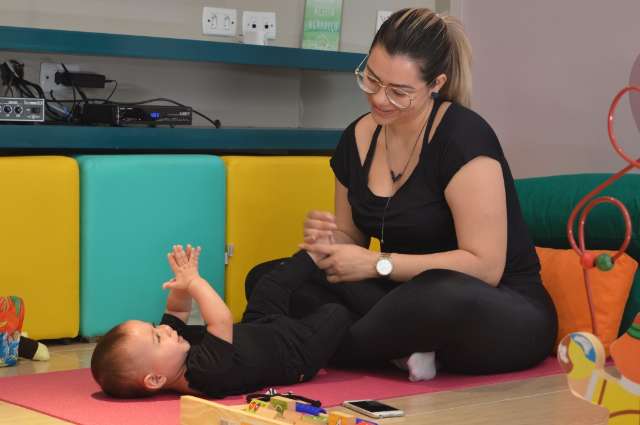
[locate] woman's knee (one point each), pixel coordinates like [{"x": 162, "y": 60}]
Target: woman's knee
[{"x": 440, "y": 292}]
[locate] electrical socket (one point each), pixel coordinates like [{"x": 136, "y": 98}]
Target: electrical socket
[
  {"x": 48, "y": 79},
  {"x": 383, "y": 15},
  {"x": 218, "y": 21},
  {"x": 252, "y": 21}
]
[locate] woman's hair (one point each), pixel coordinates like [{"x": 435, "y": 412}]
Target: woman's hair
[
  {"x": 438, "y": 44},
  {"x": 114, "y": 369}
]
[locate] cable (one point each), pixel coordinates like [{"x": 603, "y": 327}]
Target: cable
[
  {"x": 15, "y": 78},
  {"x": 112, "y": 91}
]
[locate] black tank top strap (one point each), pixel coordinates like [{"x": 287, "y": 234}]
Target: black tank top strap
[
  {"x": 374, "y": 139},
  {"x": 371, "y": 151},
  {"x": 432, "y": 118}
]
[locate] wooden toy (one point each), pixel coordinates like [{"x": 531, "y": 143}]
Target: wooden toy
[
  {"x": 198, "y": 411},
  {"x": 339, "y": 418}
]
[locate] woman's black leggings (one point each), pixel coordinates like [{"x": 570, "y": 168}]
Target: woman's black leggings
[{"x": 473, "y": 328}]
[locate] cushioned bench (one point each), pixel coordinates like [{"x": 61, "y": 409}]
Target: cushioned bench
[
  {"x": 40, "y": 256},
  {"x": 133, "y": 208},
  {"x": 268, "y": 198}
]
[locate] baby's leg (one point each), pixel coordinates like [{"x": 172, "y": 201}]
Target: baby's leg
[
  {"x": 319, "y": 335},
  {"x": 272, "y": 293}
]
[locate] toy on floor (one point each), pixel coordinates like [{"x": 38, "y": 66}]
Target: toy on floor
[
  {"x": 290, "y": 411},
  {"x": 581, "y": 354},
  {"x": 12, "y": 343},
  {"x": 582, "y": 357},
  {"x": 11, "y": 318}
]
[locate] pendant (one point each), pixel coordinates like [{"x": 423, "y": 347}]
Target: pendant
[{"x": 395, "y": 177}]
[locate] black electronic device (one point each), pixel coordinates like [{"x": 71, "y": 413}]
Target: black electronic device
[
  {"x": 127, "y": 115},
  {"x": 21, "y": 109},
  {"x": 373, "y": 408}
]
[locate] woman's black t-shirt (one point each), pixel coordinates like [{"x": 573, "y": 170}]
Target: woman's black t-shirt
[{"x": 418, "y": 219}]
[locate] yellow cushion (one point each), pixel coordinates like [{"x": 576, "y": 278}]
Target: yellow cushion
[
  {"x": 563, "y": 277},
  {"x": 39, "y": 250},
  {"x": 268, "y": 198}
]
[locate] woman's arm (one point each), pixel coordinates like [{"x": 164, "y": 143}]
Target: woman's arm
[
  {"x": 477, "y": 200},
  {"x": 346, "y": 232}
]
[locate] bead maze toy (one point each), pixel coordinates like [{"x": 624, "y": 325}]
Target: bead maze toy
[
  {"x": 278, "y": 410},
  {"x": 581, "y": 354}
]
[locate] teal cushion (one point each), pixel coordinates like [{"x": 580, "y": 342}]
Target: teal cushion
[
  {"x": 133, "y": 208},
  {"x": 547, "y": 203}
]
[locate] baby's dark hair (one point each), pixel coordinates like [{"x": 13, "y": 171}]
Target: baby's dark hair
[{"x": 114, "y": 369}]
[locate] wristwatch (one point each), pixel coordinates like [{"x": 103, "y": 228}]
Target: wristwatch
[{"x": 384, "y": 266}]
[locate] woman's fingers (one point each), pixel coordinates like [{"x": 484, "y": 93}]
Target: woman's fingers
[{"x": 321, "y": 216}]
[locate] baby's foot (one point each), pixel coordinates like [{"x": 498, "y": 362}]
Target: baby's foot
[
  {"x": 422, "y": 366},
  {"x": 323, "y": 240}
]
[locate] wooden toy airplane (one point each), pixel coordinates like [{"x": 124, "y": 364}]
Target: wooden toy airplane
[{"x": 581, "y": 356}]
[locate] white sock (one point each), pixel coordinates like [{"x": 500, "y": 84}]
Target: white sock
[{"x": 422, "y": 366}]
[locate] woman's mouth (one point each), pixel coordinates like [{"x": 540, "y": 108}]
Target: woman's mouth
[{"x": 382, "y": 112}]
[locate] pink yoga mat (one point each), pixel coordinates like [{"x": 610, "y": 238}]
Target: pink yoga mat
[{"x": 74, "y": 396}]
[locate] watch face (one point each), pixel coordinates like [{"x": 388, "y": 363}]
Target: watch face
[{"x": 384, "y": 267}]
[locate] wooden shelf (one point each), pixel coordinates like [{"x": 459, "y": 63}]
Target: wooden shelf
[
  {"x": 102, "y": 44},
  {"x": 192, "y": 139}
]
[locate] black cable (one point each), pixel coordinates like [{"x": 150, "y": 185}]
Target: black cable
[
  {"x": 112, "y": 91},
  {"x": 73, "y": 84}
]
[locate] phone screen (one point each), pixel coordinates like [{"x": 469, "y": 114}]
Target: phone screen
[{"x": 372, "y": 406}]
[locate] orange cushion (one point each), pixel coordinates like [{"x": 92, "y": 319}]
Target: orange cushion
[{"x": 562, "y": 276}]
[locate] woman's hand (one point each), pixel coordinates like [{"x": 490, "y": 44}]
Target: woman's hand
[
  {"x": 344, "y": 262},
  {"x": 319, "y": 225}
]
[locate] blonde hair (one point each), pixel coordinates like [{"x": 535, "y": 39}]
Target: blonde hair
[{"x": 438, "y": 44}]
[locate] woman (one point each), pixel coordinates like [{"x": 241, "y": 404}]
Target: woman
[{"x": 458, "y": 275}]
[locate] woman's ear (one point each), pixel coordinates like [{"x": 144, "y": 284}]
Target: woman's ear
[
  {"x": 154, "y": 382},
  {"x": 439, "y": 82}
]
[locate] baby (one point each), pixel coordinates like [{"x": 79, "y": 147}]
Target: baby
[{"x": 136, "y": 359}]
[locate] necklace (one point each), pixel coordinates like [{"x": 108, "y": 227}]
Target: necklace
[{"x": 395, "y": 177}]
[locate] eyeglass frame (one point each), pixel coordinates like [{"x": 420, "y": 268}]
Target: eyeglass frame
[{"x": 358, "y": 73}]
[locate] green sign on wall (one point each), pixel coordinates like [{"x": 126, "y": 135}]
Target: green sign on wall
[{"x": 322, "y": 20}]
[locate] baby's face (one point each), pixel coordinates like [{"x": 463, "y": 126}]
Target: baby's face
[{"x": 160, "y": 347}]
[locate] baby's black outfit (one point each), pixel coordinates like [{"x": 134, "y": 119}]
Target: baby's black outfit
[{"x": 269, "y": 348}]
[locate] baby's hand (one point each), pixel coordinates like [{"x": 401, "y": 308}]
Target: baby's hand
[{"x": 184, "y": 266}]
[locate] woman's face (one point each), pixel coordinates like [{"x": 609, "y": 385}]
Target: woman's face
[{"x": 402, "y": 75}]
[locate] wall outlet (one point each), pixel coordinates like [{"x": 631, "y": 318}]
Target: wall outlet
[
  {"x": 218, "y": 21},
  {"x": 48, "y": 79},
  {"x": 252, "y": 21},
  {"x": 383, "y": 15}
]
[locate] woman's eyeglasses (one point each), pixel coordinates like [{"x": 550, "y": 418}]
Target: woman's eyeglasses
[{"x": 369, "y": 84}]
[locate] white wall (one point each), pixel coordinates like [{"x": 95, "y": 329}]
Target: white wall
[
  {"x": 245, "y": 96},
  {"x": 545, "y": 73}
]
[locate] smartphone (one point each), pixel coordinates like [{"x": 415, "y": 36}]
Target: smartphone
[{"x": 373, "y": 408}]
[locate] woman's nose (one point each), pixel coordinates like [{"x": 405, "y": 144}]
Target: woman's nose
[{"x": 380, "y": 97}]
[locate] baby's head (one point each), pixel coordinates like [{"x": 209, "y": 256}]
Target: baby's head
[{"x": 137, "y": 359}]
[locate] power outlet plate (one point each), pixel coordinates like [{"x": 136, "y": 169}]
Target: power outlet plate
[
  {"x": 218, "y": 21},
  {"x": 383, "y": 15},
  {"x": 252, "y": 21},
  {"x": 48, "y": 79}
]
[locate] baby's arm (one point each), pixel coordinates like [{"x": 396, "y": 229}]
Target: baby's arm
[{"x": 214, "y": 311}]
